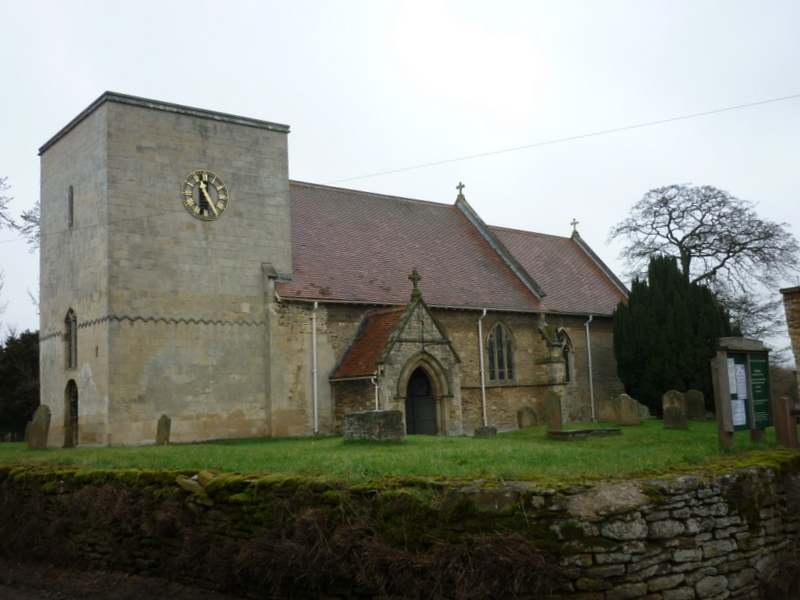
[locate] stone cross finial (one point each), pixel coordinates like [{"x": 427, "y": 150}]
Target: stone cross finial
[
  {"x": 415, "y": 277},
  {"x": 574, "y": 225},
  {"x": 460, "y": 187}
]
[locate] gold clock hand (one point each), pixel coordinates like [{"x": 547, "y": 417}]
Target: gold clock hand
[{"x": 208, "y": 198}]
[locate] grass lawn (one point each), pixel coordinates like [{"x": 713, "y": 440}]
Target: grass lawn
[{"x": 525, "y": 454}]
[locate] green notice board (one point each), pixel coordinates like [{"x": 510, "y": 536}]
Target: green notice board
[
  {"x": 748, "y": 382},
  {"x": 759, "y": 384}
]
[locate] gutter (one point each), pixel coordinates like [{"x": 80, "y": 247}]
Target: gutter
[
  {"x": 483, "y": 376},
  {"x": 314, "y": 366},
  {"x": 591, "y": 379}
]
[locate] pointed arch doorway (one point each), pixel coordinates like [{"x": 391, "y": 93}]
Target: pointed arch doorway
[
  {"x": 420, "y": 405},
  {"x": 71, "y": 415}
]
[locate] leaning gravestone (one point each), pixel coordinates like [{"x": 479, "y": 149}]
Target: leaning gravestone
[
  {"x": 628, "y": 410},
  {"x": 526, "y": 417},
  {"x": 376, "y": 425},
  {"x": 39, "y": 428},
  {"x": 162, "y": 431},
  {"x": 675, "y": 417},
  {"x": 552, "y": 404},
  {"x": 608, "y": 410},
  {"x": 695, "y": 405}
]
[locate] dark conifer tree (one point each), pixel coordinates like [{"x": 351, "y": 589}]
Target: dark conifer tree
[
  {"x": 19, "y": 383},
  {"x": 666, "y": 335}
]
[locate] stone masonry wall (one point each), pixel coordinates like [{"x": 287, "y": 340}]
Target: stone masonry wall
[
  {"x": 791, "y": 304},
  {"x": 694, "y": 537},
  {"x": 338, "y": 323}
]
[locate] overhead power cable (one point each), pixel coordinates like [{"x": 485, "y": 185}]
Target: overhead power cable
[
  {"x": 568, "y": 139},
  {"x": 495, "y": 152}
]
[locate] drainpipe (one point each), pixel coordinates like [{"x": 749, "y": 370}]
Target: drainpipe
[
  {"x": 483, "y": 381},
  {"x": 375, "y": 383},
  {"x": 314, "y": 366},
  {"x": 589, "y": 352}
]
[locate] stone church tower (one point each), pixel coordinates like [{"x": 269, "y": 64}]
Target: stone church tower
[{"x": 163, "y": 229}]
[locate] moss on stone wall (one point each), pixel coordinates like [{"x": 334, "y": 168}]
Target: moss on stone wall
[{"x": 268, "y": 535}]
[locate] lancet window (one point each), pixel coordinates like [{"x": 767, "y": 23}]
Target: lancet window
[
  {"x": 500, "y": 354},
  {"x": 71, "y": 339}
]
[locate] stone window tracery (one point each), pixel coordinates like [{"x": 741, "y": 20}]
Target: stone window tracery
[
  {"x": 566, "y": 352},
  {"x": 500, "y": 354}
]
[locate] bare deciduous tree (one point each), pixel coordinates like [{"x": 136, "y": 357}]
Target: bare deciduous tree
[
  {"x": 715, "y": 236},
  {"x": 5, "y": 219},
  {"x": 30, "y": 226},
  {"x": 718, "y": 240}
]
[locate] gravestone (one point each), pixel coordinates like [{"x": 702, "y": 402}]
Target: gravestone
[
  {"x": 162, "y": 431},
  {"x": 526, "y": 417},
  {"x": 608, "y": 410},
  {"x": 39, "y": 428},
  {"x": 675, "y": 417},
  {"x": 552, "y": 404},
  {"x": 485, "y": 432},
  {"x": 695, "y": 405},
  {"x": 376, "y": 425},
  {"x": 673, "y": 398},
  {"x": 785, "y": 422},
  {"x": 644, "y": 411},
  {"x": 628, "y": 410}
]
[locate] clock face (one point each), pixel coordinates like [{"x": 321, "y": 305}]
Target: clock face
[{"x": 204, "y": 195}]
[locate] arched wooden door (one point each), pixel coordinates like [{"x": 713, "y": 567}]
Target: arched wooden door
[{"x": 420, "y": 405}]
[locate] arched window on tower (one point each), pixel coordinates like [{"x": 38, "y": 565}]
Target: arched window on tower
[
  {"x": 71, "y": 339},
  {"x": 70, "y": 208},
  {"x": 566, "y": 352},
  {"x": 500, "y": 354}
]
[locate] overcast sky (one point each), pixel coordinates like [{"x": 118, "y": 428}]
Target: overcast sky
[{"x": 370, "y": 87}]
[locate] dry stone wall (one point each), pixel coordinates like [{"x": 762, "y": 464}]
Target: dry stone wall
[{"x": 731, "y": 536}]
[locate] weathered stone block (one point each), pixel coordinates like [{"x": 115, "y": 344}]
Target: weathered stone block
[
  {"x": 711, "y": 585},
  {"x": 635, "y": 529},
  {"x": 376, "y": 425},
  {"x": 666, "y": 582},
  {"x": 741, "y": 578},
  {"x": 688, "y": 555},
  {"x": 485, "y": 432},
  {"x": 627, "y": 591},
  {"x": 666, "y": 529}
]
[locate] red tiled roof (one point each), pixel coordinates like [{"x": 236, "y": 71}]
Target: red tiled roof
[
  {"x": 360, "y": 247},
  {"x": 352, "y": 246},
  {"x": 573, "y": 282},
  {"x": 360, "y": 358}
]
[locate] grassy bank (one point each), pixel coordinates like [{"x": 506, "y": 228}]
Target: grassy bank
[{"x": 523, "y": 454}]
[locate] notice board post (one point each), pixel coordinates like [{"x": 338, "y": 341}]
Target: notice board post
[{"x": 740, "y": 372}]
